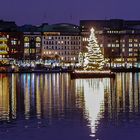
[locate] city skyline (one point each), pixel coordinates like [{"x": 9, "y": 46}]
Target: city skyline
[{"x": 37, "y": 12}]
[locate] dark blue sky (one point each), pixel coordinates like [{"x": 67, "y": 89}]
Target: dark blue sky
[{"x": 54, "y": 11}]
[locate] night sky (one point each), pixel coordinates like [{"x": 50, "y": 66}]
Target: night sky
[{"x": 71, "y": 11}]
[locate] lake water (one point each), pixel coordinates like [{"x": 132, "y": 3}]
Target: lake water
[{"x": 54, "y": 107}]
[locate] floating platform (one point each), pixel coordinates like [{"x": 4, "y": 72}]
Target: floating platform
[{"x": 92, "y": 74}]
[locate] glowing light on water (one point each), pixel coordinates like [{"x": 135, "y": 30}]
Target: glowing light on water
[
  {"x": 94, "y": 97},
  {"x": 93, "y": 92}
]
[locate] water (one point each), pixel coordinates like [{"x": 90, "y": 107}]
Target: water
[{"x": 54, "y": 107}]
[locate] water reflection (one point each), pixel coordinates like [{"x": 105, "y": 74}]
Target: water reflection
[
  {"x": 109, "y": 103},
  {"x": 88, "y": 107},
  {"x": 4, "y": 98},
  {"x": 91, "y": 92}
]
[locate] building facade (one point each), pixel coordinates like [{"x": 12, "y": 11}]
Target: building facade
[
  {"x": 118, "y": 39},
  {"x": 11, "y": 44},
  {"x": 4, "y": 49},
  {"x": 61, "y": 42},
  {"x": 31, "y": 42},
  {"x": 15, "y": 44}
]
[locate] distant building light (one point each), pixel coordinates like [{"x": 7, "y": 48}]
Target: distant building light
[{"x": 130, "y": 40}]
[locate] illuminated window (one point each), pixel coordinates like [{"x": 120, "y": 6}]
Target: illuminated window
[
  {"x": 135, "y": 45},
  {"x": 122, "y": 40},
  {"x": 32, "y": 50},
  {"x": 130, "y": 54},
  {"x": 117, "y": 45},
  {"x": 26, "y": 39},
  {"x": 135, "y": 50},
  {"x": 135, "y": 40},
  {"x": 130, "y": 40},
  {"x": 130, "y": 49},
  {"x": 26, "y": 51},
  {"x": 123, "y": 50},
  {"x": 109, "y": 45},
  {"x": 38, "y": 45},
  {"x": 130, "y": 45},
  {"x": 135, "y": 54},
  {"x": 38, "y": 39},
  {"x": 123, "y": 45},
  {"x": 113, "y": 45},
  {"x": 101, "y": 45},
  {"x": 13, "y": 42},
  {"x": 26, "y": 44}
]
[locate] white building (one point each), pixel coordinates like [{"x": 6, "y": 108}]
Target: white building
[{"x": 61, "y": 42}]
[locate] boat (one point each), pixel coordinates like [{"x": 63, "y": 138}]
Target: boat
[{"x": 92, "y": 74}]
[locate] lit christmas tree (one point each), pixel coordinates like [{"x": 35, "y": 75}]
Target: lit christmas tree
[
  {"x": 81, "y": 59},
  {"x": 94, "y": 59}
]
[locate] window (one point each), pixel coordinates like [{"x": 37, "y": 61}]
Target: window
[
  {"x": 26, "y": 39},
  {"x": 109, "y": 45},
  {"x": 123, "y": 50},
  {"x": 26, "y": 51},
  {"x": 122, "y": 40},
  {"x": 130, "y": 45},
  {"x": 38, "y": 39},
  {"x": 135, "y": 50},
  {"x": 130, "y": 49},
  {"x": 130, "y": 40},
  {"x": 13, "y": 42},
  {"x": 135, "y": 54},
  {"x": 26, "y": 44},
  {"x": 113, "y": 45},
  {"x": 38, "y": 44},
  {"x": 32, "y": 50},
  {"x": 135, "y": 45},
  {"x": 135, "y": 40}
]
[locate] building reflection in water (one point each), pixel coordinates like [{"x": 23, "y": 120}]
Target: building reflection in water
[
  {"x": 56, "y": 96},
  {"x": 123, "y": 99},
  {"x": 47, "y": 95},
  {"x": 4, "y": 97}
]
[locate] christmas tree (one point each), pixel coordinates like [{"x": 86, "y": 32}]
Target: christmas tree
[
  {"x": 81, "y": 59},
  {"x": 94, "y": 59}
]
